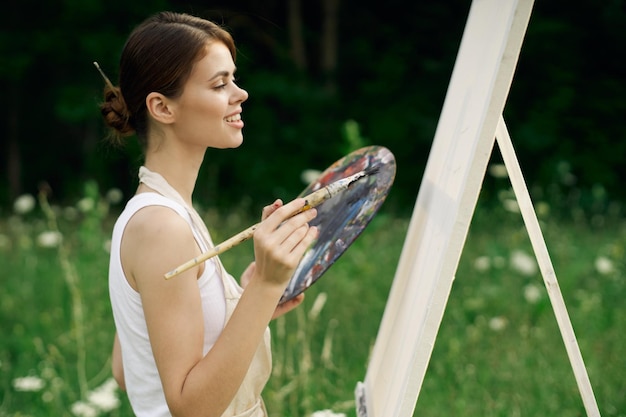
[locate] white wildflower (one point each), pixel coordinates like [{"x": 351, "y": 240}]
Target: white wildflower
[
  {"x": 498, "y": 323},
  {"x": 327, "y": 413},
  {"x": 318, "y": 305},
  {"x": 603, "y": 265},
  {"x": 105, "y": 397},
  {"x": 24, "y": 204},
  {"x": 498, "y": 171},
  {"x": 83, "y": 409},
  {"x": 511, "y": 205},
  {"x": 309, "y": 176},
  {"x": 523, "y": 263},
  {"x": 482, "y": 263},
  {"x": 49, "y": 239},
  {"x": 28, "y": 384},
  {"x": 86, "y": 204},
  {"x": 109, "y": 385},
  {"x": 114, "y": 196},
  {"x": 532, "y": 293}
]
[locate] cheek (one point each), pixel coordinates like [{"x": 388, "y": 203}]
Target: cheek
[
  {"x": 212, "y": 109},
  {"x": 204, "y": 108}
]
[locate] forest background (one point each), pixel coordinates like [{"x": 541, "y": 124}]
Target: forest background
[
  {"x": 324, "y": 78},
  {"x": 312, "y": 68}
]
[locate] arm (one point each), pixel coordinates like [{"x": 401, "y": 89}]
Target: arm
[
  {"x": 285, "y": 307},
  {"x": 173, "y": 308},
  {"x": 117, "y": 365},
  {"x": 281, "y": 309}
]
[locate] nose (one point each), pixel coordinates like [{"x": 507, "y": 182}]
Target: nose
[{"x": 240, "y": 95}]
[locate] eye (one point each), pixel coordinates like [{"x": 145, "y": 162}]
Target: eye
[{"x": 225, "y": 81}]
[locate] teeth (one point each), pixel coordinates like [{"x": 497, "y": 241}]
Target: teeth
[{"x": 233, "y": 118}]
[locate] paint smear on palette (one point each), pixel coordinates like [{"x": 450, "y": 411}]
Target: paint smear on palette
[{"x": 342, "y": 218}]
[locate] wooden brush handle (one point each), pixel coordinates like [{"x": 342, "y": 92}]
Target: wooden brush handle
[{"x": 312, "y": 200}]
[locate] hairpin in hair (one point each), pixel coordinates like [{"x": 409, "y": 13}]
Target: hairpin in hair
[{"x": 106, "y": 79}]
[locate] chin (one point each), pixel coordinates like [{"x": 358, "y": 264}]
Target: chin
[
  {"x": 233, "y": 144},
  {"x": 236, "y": 145},
  {"x": 238, "y": 142}
]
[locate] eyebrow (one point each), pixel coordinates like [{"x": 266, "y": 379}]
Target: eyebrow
[{"x": 221, "y": 74}]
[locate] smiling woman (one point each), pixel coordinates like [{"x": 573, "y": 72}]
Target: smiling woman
[
  {"x": 198, "y": 344},
  {"x": 159, "y": 56},
  {"x": 209, "y": 102}
]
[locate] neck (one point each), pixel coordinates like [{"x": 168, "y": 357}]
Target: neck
[{"x": 180, "y": 169}]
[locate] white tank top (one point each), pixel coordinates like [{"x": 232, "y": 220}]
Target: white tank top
[{"x": 144, "y": 387}]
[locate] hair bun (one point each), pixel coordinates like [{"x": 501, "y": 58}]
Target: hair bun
[{"x": 115, "y": 112}]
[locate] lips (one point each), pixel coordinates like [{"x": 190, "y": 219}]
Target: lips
[{"x": 233, "y": 118}]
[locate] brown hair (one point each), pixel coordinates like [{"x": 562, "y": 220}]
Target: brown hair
[{"x": 157, "y": 57}]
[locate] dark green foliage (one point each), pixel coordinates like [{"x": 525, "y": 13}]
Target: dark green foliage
[{"x": 391, "y": 75}]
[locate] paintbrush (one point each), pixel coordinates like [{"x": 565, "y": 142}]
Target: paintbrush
[{"x": 312, "y": 200}]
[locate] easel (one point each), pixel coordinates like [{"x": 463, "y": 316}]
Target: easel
[{"x": 470, "y": 122}]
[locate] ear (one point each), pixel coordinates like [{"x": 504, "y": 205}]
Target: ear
[{"x": 159, "y": 107}]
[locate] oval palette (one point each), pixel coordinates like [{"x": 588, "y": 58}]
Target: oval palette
[{"x": 342, "y": 218}]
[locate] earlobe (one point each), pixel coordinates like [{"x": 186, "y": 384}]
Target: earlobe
[{"x": 159, "y": 108}]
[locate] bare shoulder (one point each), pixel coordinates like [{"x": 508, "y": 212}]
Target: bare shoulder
[
  {"x": 156, "y": 240},
  {"x": 150, "y": 221}
]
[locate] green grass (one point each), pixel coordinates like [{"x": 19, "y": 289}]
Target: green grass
[{"x": 498, "y": 352}]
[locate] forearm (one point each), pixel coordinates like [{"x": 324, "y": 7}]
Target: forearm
[
  {"x": 196, "y": 385},
  {"x": 213, "y": 382}
]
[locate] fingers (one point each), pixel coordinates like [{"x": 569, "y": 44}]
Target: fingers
[
  {"x": 278, "y": 212},
  {"x": 290, "y": 239},
  {"x": 268, "y": 210},
  {"x": 295, "y": 228},
  {"x": 288, "y": 305},
  {"x": 300, "y": 239},
  {"x": 281, "y": 240}
]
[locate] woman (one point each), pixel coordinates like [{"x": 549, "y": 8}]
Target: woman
[{"x": 196, "y": 344}]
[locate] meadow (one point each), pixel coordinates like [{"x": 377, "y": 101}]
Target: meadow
[{"x": 498, "y": 353}]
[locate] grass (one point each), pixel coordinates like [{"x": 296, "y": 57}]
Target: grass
[{"x": 498, "y": 352}]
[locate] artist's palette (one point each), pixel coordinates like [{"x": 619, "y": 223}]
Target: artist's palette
[{"x": 342, "y": 218}]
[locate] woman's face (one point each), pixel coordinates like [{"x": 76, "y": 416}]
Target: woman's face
[{"x": 208, "y": 112}]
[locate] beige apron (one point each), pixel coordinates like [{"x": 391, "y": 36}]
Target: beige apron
[{"x": 247, "y": 401}]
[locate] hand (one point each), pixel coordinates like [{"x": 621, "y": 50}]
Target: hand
[
  {"x": 281, "y": 308},
  {"x": 287, "y": 306},
  {"x": 267, "y": 210},
  {"x": 281, "y": 240}
]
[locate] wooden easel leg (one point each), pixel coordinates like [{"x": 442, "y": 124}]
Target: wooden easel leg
[{"x": 547, "y": 270}]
